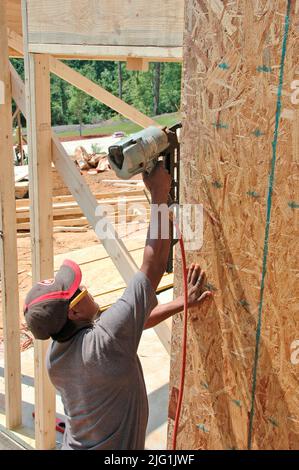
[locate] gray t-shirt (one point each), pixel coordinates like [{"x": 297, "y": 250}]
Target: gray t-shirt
[{"x": 99, "y": 375}]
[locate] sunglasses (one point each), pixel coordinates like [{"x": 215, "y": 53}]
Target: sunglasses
[{"x": 79, "y": 295}]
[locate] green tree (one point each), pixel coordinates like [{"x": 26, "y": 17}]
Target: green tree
[
  {"x": 77, "y": 107},
  {"x": 154, "y": 92}
]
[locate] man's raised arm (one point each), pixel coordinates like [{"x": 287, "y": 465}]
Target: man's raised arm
[{"x": 156, "y": 250}]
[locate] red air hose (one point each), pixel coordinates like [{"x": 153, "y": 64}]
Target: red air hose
[{"x": 184, "y": 347}]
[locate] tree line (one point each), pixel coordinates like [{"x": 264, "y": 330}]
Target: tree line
[{"x": 154, "y": 92}]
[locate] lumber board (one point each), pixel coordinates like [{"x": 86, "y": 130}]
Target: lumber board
[
  {"x": 18, "y": 91},
  {"x": 110, "y": 22},
  {"x": 8, "y": 243},
  {"x": 117, "y": 53},
  {"x": 94, "y": 253},
  {"x": 231, "y": 78},
  {"x": 122, "y": 227},
  {"x": 38, "y": 118},
  {"x": 135, "y": 63},
  {"x": 72, "y": 204},
  {"x": 14, "y": 16},
  {"x": 99, "y": 196},
  {"x": 116, "y": 219}
]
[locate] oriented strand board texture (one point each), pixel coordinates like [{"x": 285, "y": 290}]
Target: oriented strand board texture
[
  {"x": 231, "y": 73},
  {"x": 106, "y": 22}
]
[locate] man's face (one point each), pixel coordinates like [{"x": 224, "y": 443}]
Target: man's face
[{"x": 85, "y": 310}]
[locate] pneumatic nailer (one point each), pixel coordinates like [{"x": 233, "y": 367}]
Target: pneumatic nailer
[{"x": 140, "y": 153}]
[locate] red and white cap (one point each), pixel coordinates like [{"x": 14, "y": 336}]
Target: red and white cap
[{"x": 47, "y": 303}]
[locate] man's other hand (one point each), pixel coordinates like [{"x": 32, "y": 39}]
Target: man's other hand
[{"x": 197, "y": 292}]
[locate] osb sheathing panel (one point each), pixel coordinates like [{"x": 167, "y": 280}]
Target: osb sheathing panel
[{"x": 230, "y": 80}]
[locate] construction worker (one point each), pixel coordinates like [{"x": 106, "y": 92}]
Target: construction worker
[{"x": 93, "y": 360}]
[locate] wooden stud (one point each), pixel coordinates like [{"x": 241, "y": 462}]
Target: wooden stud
[
  {"x": 38, "y": 106},
  {"x": 135, "y": 63},
  {"x": 20, "y": 137},
  {"x": 8, "y": 244}
]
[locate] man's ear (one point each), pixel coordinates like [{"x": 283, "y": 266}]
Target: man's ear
[{"x": 72, "y": 315}]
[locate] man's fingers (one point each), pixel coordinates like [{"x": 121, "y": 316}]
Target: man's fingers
[
  {"x": 205, "y": 296},
  {"x": 195, "y": 274},
  {"x": 190, "y": 271},
  {"x": 201, "y": 279}
]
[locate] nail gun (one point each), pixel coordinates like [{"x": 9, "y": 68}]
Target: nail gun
[{"x": 140, "y": 153}]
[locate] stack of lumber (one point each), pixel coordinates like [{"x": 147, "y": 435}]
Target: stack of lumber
[
  {"x": 67, "y": 213},
  {"x": 59, "y": 188}
]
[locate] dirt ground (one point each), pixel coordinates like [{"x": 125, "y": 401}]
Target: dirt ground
[{"x": 63, "y": 243}]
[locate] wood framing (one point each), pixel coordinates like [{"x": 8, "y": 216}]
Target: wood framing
[
  {"x": 15, "y": 42},
  {"x": 70, "y": 174},
  {"x": 151, "y": 54},
  {"x": 8, "y": 243},
  {"x": 14, "y": 15},
  {"x": 88, "y": 86},
  {"x": 18, "y": 90},
  {"x": 38, "y": 114},
  {"x": 109, "y": 23},
  {"x": 40, "y": 190},
  {"x": 14, "y": 21},
  {"x": 134, "y": 63},
  {"x": 230, "y": 93}
]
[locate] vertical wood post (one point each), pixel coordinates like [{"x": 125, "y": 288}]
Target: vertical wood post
[
  {"x": 38, "y": 106},
  {"x": 8, "y": 243}
]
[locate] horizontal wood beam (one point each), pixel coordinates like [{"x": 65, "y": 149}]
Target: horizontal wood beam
[
  {"x": 121, "y": 53},
  {"x": 152, "y": 54}
]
